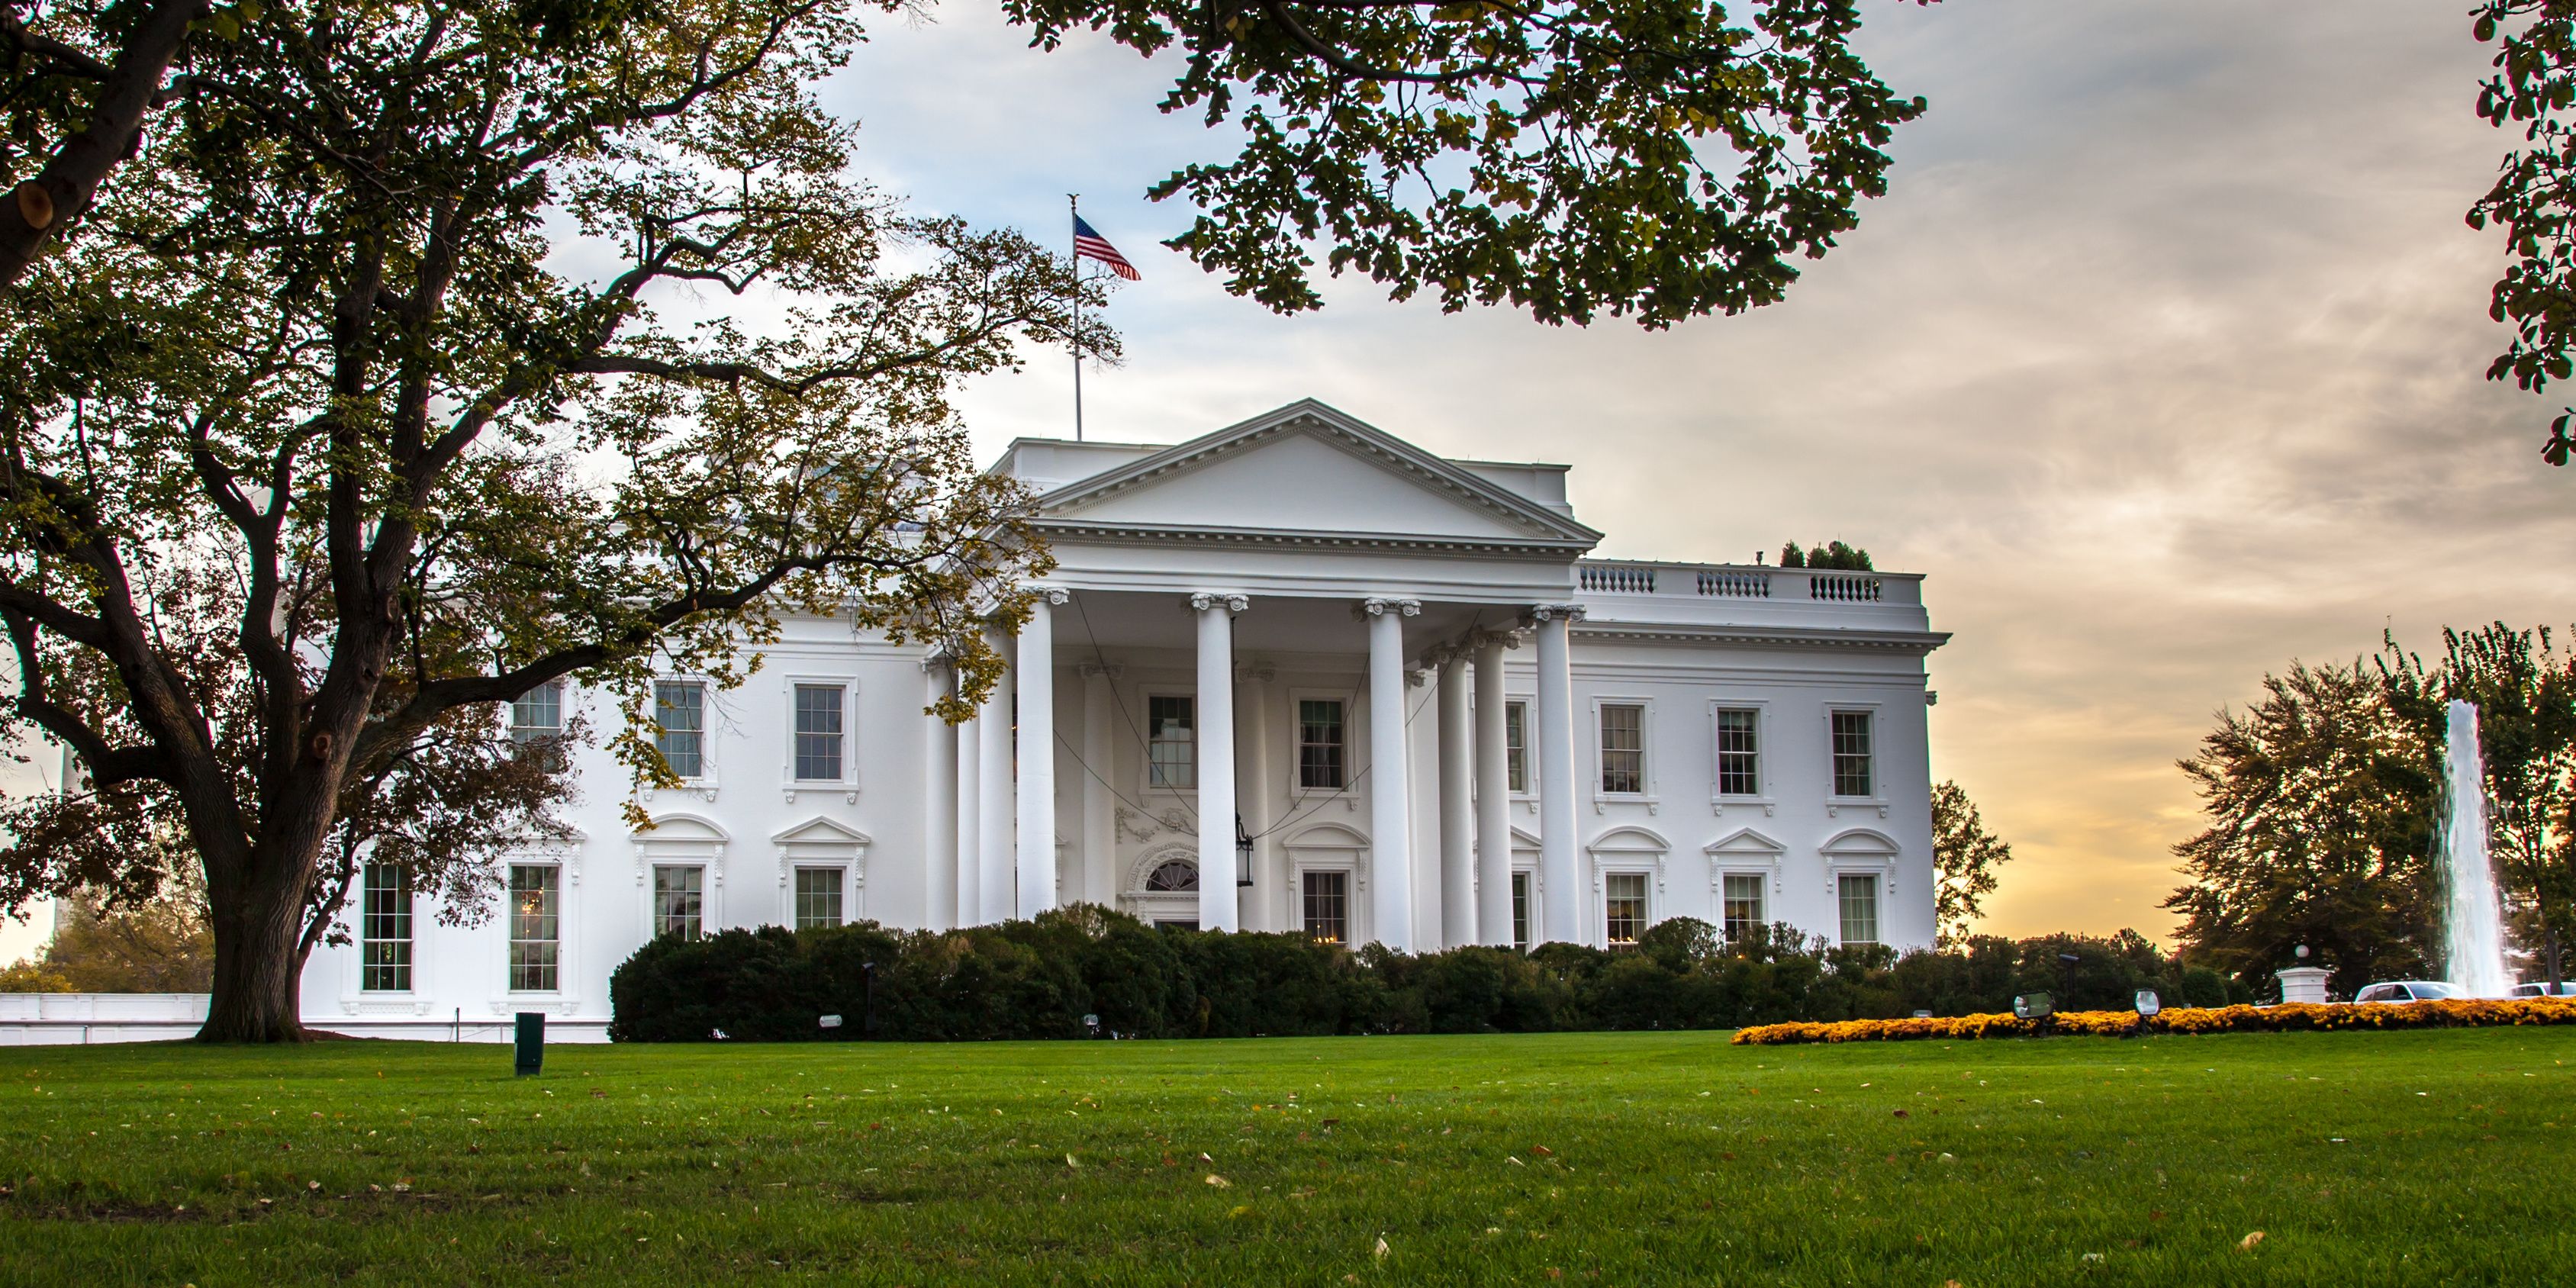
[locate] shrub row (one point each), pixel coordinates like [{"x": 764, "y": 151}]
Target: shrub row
[
  {"x": 1040, "y": 978},
  {"x": 2289, "y": 1017}
]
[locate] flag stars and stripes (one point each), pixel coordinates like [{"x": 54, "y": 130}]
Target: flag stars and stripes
[{"x": 1089, "y": 244}]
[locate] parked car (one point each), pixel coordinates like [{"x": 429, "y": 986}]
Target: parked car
[
  {"x": 2408, "y": 990},
  {"x": 2565, "y": 989}
]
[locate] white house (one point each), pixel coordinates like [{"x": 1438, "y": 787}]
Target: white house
[{"x": 1294, "y": 674}]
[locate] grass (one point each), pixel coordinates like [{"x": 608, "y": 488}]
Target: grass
[{"x": 1569, "y": 1159}]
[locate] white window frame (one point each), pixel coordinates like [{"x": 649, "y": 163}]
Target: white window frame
[
  {"x": 1877, "y": 754},
  {"x": 1762, "y": 884},
  {"x": 1527, "y": 910},
  {"x": 840, "y": 871},
  {"x": 1145, "y": 695},
  {"x": 1528, "y": 703},
  {"x": 1862, "y": 851},
  {"x": 1626, "y": 851},
  {"x": 849, "y": 687},
  {"x": 1763, "y": 754},
  {"x": 563, "y": 925},
  {"x": 705, "y": 779},
  {"x": 563, "y": 705},
  {"x": 1878, "y": 897},
  {"x": 1350, "y": 898},
  {"x": 1601, "y": 901},
  {"x": 1646, "y": 758},
  {"x": 652, "y": 893},
  {"x": 411, "y": 940},
  {"x": 1351, "y": 739}
]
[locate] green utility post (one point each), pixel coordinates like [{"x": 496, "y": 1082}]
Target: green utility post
[{"x": 531, "y": 1043}]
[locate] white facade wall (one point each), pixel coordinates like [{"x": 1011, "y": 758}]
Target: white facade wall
[{"x": 1304, "y": 515}]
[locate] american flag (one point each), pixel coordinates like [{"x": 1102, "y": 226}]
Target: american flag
[{"x": 1088, "y": 244}]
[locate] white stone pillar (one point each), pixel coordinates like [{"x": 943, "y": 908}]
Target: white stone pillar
[
  {"x": 1036, "y": 684},
  {"x": 995, "y": 788},
  {"x": 1564, "y": 893},
  {"x": 1457, "y": 810},
  {"x": 939, "y": 799},
  {"x": 1036, "y": 674},
  {"x": 1099, "y": 804},
  {"x": 1252, "y": 793},
  {"x": 968, "y": 871},
  {"x": 1390, "y": 775},
  {"x": 1493, "y": 798},
  {"x": 1218, "y": 908}
]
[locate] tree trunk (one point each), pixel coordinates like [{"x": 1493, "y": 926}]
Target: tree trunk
[{"x": 258, "y": 922}]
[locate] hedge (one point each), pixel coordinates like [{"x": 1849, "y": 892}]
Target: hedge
[
  {"x": 1040, "y": 978},
  {"x": 2288, "y": 1017}
]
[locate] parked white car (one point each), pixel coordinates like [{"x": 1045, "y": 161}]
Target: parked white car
[
  {"x": 2408, "y": 990},
  {"x": 2565, "y": 989}
]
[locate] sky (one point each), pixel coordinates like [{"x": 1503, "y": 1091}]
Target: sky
[{"x": 2162, "y": 358}]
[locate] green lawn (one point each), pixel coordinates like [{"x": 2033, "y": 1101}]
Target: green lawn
[{"x": 1586, "y": 1159}]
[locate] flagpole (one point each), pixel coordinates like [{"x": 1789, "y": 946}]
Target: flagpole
[{"x": 1073, "y": 200}]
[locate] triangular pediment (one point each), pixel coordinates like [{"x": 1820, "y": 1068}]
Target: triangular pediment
[
  {"x": 1744, "y": 842},
  {"x": 1309, "y": 468},
  {"x": 820, "y": 831}
]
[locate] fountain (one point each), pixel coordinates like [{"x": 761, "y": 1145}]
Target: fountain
[{"x": 2473, "y": 924}]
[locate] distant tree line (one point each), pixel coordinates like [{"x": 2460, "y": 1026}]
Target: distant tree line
[
  {"x": 2324, "y": 800},
  {"x": 1041, "y": 978}
]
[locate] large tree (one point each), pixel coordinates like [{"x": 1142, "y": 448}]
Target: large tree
[
  {"x": 376, "y": 360},
  {"x": 2320, "y": 806}
]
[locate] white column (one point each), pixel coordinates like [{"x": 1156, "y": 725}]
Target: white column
[
  {"x": 1457, "y": 811},
  {"x": 939, "y": 798},
  {"x": 1252, "y": 793},
  {"x": 1036, "y": 673},
  {"x": 994, "y": 878},
  {"x": 1564, "y": 896},
  {"x": 1493, "y": 799},
  {"x": 1099, "y": 805},
  {"x": 1217, "y": 901},
  {"x": 1390, "y": 776},
  {"x": 968, "y": 872}
]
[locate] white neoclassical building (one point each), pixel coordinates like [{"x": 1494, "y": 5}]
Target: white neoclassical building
[{"x": 1296, "y": 674}]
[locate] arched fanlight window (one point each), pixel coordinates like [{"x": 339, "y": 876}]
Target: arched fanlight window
[{"x": 1176, "y": 875}]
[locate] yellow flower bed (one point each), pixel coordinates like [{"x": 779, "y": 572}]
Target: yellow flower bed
[{"x": 2286, "y": 1018}]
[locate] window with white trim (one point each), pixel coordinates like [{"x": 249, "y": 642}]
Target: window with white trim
[
  {"x": 1516, "y": 746},
  {"x": 679, "y": 900},
  {"x": 1744, "y": 917},
  {"x": 818, "y": 898},
  {"x": 536, "y": 927},
  {"x": 680, "y": 709},
  {"x": 1322, "y": 735},
  {"x": 1623, "y": 898},
  {"x": 1327, "y": 898},
  {"x": 1853, "y": 772},
  {"x": 1739, "y": 752},
  {"x": 818, "y": 732},
  {"x": 537, "y": 714},
  {"x": 384, "y": 930},
  {"x": 1521, "y": 911},
  {"x": 1623, "y": 748},
  {"x": 1171, "y": 737},
  {"x": 1858, "y": 893}
]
